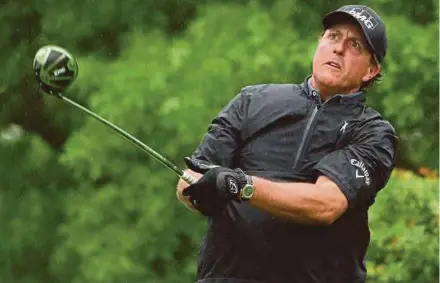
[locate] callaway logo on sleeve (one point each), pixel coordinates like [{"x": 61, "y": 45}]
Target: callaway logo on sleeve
[{"x": 362, "y": 172}]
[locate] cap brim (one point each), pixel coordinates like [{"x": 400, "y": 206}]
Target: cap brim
[{"x": 333, "y": 17}]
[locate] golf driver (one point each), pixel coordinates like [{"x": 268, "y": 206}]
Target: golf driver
[{"x": 56, "y": 69}]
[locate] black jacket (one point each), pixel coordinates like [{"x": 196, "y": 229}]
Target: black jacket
[{"x": 283, "y": 132}]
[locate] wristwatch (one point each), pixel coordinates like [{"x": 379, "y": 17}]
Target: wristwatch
[{"x": 248, "y": 190}]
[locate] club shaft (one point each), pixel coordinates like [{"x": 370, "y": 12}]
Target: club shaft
[{"x": 188, "y": 178}]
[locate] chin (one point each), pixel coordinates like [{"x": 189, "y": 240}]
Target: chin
[{"x": 327, "y": 79}]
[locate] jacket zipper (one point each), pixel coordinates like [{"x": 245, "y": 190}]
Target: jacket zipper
[
  {"x": 306, "y": 131},
  {"x": 304, "y": 137}
]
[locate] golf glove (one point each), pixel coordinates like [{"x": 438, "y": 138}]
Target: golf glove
[{"x": 215, "y": 189}]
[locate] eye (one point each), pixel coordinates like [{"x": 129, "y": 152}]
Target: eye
[
  {"x": 356, "y": 45},
  {"x": 333, "y": 36}
]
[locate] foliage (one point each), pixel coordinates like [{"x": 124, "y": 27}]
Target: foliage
[
  {"x": 405, "y": 228},
  {"x": 412, "y": 104},
  {"x": 32, "y": 183}
]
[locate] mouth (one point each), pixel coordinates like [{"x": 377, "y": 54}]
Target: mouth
[{"x": 333, "y": 64}]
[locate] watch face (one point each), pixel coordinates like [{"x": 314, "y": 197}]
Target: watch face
[{"x": 248, "y": 191}]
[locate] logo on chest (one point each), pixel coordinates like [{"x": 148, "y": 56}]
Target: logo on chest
[{"x": 344, "y": 127}]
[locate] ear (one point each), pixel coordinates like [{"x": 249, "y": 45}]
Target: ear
[{"x": 372, "y": 71}]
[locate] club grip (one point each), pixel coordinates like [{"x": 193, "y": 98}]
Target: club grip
[{"x": 188, "y": 178}]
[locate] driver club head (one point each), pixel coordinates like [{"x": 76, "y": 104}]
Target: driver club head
[{"x": 55, "y": 69}]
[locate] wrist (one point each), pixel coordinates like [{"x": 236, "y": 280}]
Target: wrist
[
  {"x": 235, "y": 184},
  {"x": 246, "y": 187}
]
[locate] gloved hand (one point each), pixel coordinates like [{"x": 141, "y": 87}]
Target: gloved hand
[{"x": 215, "y": 189}]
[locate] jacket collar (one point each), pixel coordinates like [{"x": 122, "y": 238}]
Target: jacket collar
[{"x": 352, "y": 98}]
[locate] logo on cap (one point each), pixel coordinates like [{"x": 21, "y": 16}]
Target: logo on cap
[{"x": 369, "y": 21}]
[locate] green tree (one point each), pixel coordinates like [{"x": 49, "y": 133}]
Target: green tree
[
  {"x": 32, "y": 183},
  {"x": 404, "y": 228}
]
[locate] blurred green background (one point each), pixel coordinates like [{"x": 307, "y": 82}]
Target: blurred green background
[{"x": 80, "y": 204}]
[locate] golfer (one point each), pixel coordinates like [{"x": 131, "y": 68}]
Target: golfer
[{"x": 288, "y": 171}]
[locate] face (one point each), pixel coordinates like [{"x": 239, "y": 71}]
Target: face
[{"x": 342, "y": 61}]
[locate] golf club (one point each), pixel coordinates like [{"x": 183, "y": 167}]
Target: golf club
[{"x": 56, "y": 69}]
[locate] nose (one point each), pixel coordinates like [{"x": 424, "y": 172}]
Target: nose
[{"x": 339, "y": 47}]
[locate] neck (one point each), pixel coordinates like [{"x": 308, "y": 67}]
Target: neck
[{"x": 327, "y": 91}]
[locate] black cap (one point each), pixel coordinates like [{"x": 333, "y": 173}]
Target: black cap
[{"x": 370, "y": 22}]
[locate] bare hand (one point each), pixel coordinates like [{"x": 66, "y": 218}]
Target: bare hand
[{"x": 181, "y": 185}]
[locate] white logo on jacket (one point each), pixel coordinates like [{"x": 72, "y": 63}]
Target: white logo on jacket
[
  {"x": 344, "y": 127},
  {"x": 362, "y": 167}
]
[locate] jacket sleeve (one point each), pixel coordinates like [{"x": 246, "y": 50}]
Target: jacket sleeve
[
  {"x": 362, "y": 167},
  {"x": 223, "y": 136}
]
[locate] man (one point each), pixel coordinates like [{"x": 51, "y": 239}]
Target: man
[{"x": 288, "y": 171}]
